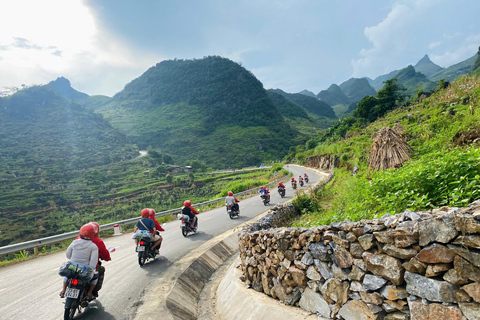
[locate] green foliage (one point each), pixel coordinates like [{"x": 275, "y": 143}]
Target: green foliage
[{"x": 303, "y": 202}]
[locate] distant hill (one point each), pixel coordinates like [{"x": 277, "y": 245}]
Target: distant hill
[
  {"x": 427, "y": 67},
  {"x": 476, "y": 67},
  {"x": 307, "y": 93},
  {"x": 40, "y": 131},
  {"x": 378, "y": 82},
  {"x": 412, "y": 80},
  {"x": 312, "y": 105},
  {"x": 210, "y": 109},
  {"x": 452, "y": 72},
  {"x": 333, "y": 96},
  {"x": 356, "y": 89},
  {"x": 62, "y": 87}
]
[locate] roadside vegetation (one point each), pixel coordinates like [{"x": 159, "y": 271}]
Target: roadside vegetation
[{"x": 443, "y": 134}]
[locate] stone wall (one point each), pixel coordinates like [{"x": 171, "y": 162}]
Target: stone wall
[
  {"x": 413, "y": 265},
  {"x": 324, "y": 162}
]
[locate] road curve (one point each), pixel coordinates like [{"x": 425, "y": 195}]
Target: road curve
[{"x": 29, "y": 290}]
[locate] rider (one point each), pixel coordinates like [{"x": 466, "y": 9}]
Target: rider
[
  {"x": 264, "y": 191},
  {"x": 190, "y": 212},
  {"x": 103, "y": 254},
  {"x": 231, "y": 200},
  {"x": 158, "y": 238},
  {"x": 281, "y": 185},
  {"x": 300, "y": 179},
  {"x": 294, "y": 181},
  {"x": 305, "y": 177},
  {"x": 147, "y": 224},
  {"x": 84, "y": 252}
]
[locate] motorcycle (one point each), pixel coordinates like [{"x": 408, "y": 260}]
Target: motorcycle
[
  {"x": 144, "y": 248},
  {"x": 78, "y": 283},
  {"x": 306, "y": 179},
  {"x": 294, "y": 185},
  {"x": 281, "y": 192},
  {"x": 265, "y": 199},
  {"x": 301, "y": 183},
  {"x": 232, "y": 213},
  {"x": 186, "y": 225}
]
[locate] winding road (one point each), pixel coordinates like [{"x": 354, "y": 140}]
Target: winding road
[{"x": 29, "y": 290}]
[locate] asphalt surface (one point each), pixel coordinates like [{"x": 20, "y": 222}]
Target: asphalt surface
[{"x": 29, "y": 290}]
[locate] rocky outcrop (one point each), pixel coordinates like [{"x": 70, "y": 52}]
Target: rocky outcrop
[{"x": 412, "y": 265}]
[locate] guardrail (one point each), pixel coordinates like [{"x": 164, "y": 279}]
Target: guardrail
[{"x": 35, "y": 244}]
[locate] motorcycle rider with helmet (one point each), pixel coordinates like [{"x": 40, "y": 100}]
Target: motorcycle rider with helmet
[
  {"x": 190, "y": 212},
  {"x": 147, "y": 224},
  {"x": 158, "y": 227},
  {"x": 103, "y": 254},
  {"x": 264, "y": 191},
  {"x": 231, "y": 200},
  {"x": 305, "y": 177},
  {"x": 84, "y": 252},
  {"x": 294, "y": 182}
]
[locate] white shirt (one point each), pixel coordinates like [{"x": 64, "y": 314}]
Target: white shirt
[{"x": 83, "y": 252}]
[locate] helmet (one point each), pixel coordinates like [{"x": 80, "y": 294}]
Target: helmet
[
  {"x": 87, "y": 231},
  {"x": 96, "y": 227},
  {"x": 230, "y": 193},
  {"x": 300, "y": 176},
  {"x": 263, "y": 187},
  {"x": 293, "y": 178},
  {"x": 152, "y": 213},
  {"x": 145, "y": 213},
  {"x": 187, "y": 203}
]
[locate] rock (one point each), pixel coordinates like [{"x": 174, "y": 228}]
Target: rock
[
  {"x": 307, "y": 259},
  {"x": 410, "y": 215},
  {"x": 313, "y": 274},
  {"x": 351, "y": 237},
  {"x": 278, "y": 290},
  {"x": 401, "y": 253},
  {"x": 293, "y": 297},
  {"x": 334, "y": 290},
  {"x": 298, "y": 276},
  {"x": 434, "y": 270},
  {"x": 267, "y": 284},
  {"x": 373, "y": 298},
  {"x": 400, "y": 305},
  {"x": 356, "y": 310},
  {"x": 356, "y": 250},
  {"x": 405, "y": 234},
  {"x": 366, "y": 241},
  {"x": 314, "y": 302},
  {"x": 342, "y": 257},
  {"x": 469, "y": 255},
  {"x": 372, "y": 283},
  {"x": 374, "y": 308},
  {"x": 324, "y": 269},
  {"x": 320, "y": 251},
  {"x": 439, "y": 229},
  {"x": 339, "y": 273},
  {"x": 383, "y": 265},
  {"x": 356, "y": 286},
  {"x": 472, "y": 241},
  {"x": 465, "y": 269},
  {"x": 436, "y": 253},
  {"x": 462, "y": 296},
  {"x": 415, "y": 266},
  {"x": 397, "y": 316},
  {"x": 430, "y": 289},
  {"x": 471, "y": 311},
  {"x": 394, "y": 293},
  {"x": 433, "y": 311},
  {"x": 356, "y": 274},
  {"x": 473, "y": 290},
  {"x": 466, "y": 224}
]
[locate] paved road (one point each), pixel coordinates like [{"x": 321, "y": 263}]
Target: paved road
[{"x": 29, "y": 290}]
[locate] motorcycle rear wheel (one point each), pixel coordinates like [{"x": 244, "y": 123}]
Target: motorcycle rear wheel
[
  {"x": 184, "y": 231},
  {"x": 231, "y": 214},
  {"x": 142, "y": 258},
  {"x": 69, "y": 313}
]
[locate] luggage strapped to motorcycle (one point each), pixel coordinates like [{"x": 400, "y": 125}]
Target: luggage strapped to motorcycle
[{"x": 140, "y": 234}]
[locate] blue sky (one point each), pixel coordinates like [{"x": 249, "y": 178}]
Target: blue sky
[{"x": 101, "y": 45}]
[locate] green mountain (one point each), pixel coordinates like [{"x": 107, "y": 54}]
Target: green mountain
[
  {"x": 355, "y": 89},
  {"x": 63, "y": 88},
  {"x": 333, "y": 96},
  {"x": 42, "y": 131},
  {"x": 453, "y": 72},
  {"x": 427, "y": 67},
  {"x": 307, "y": 93},
  {"x": 210, "y": 109},
  {"x": 378, "y": 82},
  {"x": 312, "y": 105},
  {"x": 296, "y": 116},
  {"x": 476, "y": 66},
  {"x": 412, "y": 80}
]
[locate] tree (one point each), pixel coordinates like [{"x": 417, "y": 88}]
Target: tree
[
  {"x": 365, "y": 108},
  {"x": 389, "y": 96}
]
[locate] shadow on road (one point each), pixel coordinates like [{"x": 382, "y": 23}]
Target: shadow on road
[
  {"x": 95, "y": 310},
  {"x": 199, "y": 236}
]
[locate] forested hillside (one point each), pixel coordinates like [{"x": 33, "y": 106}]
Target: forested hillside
[{"x": 210, "y": 109}]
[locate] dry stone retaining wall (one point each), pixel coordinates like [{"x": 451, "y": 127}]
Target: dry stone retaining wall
[{"x": 413, "y": 265}]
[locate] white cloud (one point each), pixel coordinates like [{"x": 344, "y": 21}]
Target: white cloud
[
  {"x": 61, "y": 38},
  {"x": 466, "y": 49},
  {"x": 434, "y": 45}
]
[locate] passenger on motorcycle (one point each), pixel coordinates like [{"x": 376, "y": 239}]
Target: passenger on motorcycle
[
  {"x": 158, "y": 227},
  {"x": 103, "y": 254},
  {"x": 83, "y": 252},
  {"x": 264, "y": 191},
  {"x": 281, "y": 185},
  {"x": 300, "y": 179},
  {"x": 190, "y": 212},
  {"x": 231, "y": 200},
  {"x": 147, "y": 224},
  {"x": 305, "y": 177}
]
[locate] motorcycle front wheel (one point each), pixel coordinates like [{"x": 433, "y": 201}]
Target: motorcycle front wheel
[
  {"x": 184, "y": 231},
  {"x": 142, "y": 258},
  {"x": 69, "y": 312}
]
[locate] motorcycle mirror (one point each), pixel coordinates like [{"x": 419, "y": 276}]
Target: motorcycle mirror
[{"x": 111, "y": 249}]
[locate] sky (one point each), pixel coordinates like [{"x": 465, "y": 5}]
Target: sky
[{"x": 101, "y": 45}]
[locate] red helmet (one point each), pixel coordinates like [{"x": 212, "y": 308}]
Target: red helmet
[
  {"x": 96, "y": 227},
  {"x": 187, "y": 203},
  {"x": 230, "y": 193},
  {"x": 300, "y": 176},
  {"x": 87, "y": 231},
  {"x": 145, "y": 213},
  {"x": 152, "y": 213},
  {"x": 263, "y": 187},
  {"x": 293, "y": 178}
]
